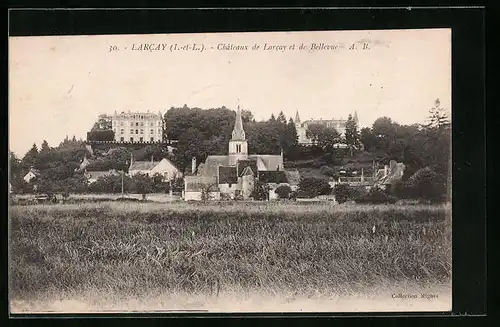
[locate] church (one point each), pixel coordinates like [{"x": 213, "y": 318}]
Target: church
[{"x": 234, "y": 175}]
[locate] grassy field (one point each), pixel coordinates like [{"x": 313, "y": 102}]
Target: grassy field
[{"x": 214, "y": 256}]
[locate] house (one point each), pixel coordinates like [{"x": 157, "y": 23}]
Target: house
[
  {"x": 196, "y": 187},
  {"x": 391, "y": 174},
  {"x": 33, "y": 173},
  {"x": 93, "y": 176},
  {"x": 234, "y": 175},
  {"x": 164, "y": 167}
]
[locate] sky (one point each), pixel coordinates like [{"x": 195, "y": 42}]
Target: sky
[{"x": 58, "y": 85}]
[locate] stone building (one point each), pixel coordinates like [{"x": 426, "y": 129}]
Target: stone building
[
  {"x": 137, "y": 127},
  {"x": 234, "y": 175},
  {"x": 338, "y": 124}
]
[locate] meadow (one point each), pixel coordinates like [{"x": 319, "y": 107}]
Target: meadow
[{"x": 202, "y": 256}]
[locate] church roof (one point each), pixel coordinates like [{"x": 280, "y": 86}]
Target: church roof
[
  {"x": 271, "y": 161},
  {"x": 247, "y": 172},
  {"x": 228, "y": 175},
  {"x": 212, "y": 164},
  {"x": 277, "y": 176},
  {"x": 238, "y": 132},
  {"x": 242, "y": 164}
]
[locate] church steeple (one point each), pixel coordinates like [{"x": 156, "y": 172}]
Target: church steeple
[
  {"x": 297, "y": 118},
  {"x": 238, "y": 132},
  {"x": 238, "y": 146}
]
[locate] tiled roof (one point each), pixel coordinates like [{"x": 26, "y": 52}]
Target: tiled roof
[
  {"x": 227, "y": 175},
  {"x": 143, "y": 165},
  {"x": 276, "y": 176},
  {"x": 271, "y": 161},
  {"x": 97, "y": 174},
  {"x": 242, "y": 164},
  {"x": 198, "y": 183},
  {"x": 212, "y": 164}
]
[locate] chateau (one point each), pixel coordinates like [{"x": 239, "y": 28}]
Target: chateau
[
  {"x": 338, "y": 124},
  {"x": 234, "y": 175},
  {"x": 137, "y": 127}
]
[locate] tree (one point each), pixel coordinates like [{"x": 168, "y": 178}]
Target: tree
[
  {"x": 260, "y": 191},
  {"x": 326, "y": 139},
  {"x": 30, "y": 158},
  {"x": 310, "y": 187},
  {"x": 437, "y": 116},
  {"x": 45, "y": 147},
  {"x": 142, "y": 184},
  {"x": 190, "y": 145},
  {"x": 283, "y": 191},
  {"x": 104, "y": 122},
  {"x": 352, "y": 136},
  {"x": 427, "y": 184},
  {"x": 367, "y": 139}
]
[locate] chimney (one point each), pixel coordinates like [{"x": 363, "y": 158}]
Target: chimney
[
  {"x": 131, "y": 158},
  {"x": 152, "y": 159},
  {"x": 386, "y": 168},
  {"x": 392, "y": 167},
  {"x": 193, "y": 165},
  {"x": 362, "y": 175}
]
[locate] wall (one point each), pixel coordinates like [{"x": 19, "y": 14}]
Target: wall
[{"x": 163, "y": 167}]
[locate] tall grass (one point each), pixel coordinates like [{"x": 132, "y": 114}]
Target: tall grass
[{"x": 140, "y": 249}]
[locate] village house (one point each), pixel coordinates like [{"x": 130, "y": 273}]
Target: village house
[
  {"x": 164, "y": 167},
  {"x": 32, "y": 174},
  {"x": 234, "y": 175},
  {"x": 93, "y": 176},
  {"x": 390, "y": 175}
]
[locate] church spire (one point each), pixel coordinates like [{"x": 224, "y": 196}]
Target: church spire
[
  {"x": 297, "y": 118},
  {"x": 238, "y": 132}
]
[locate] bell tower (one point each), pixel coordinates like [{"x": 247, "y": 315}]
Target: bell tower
[{"x": 238, "y": 146}]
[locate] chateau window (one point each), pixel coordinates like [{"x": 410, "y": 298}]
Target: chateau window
[
  {"x": 121, "y": 131},
  {"x": 136, "y": 124},
  {"x": 122, "y": 139},
  {"x": 131, "y": 139},
  {"x": 152, "y": 139},
  {"x": 159, "y": 130},
  {"x": 131, "y": 131},
  {"x": 140, "y": 139},
  {"x": 159, "y": 123},
  {"x": 136, "y": 131},
  {"x": 114, "y": 130},
  {"x": 142, "y": 131},
  {"x": 142, "y": 123},
  {"x": 132, "y": 124},
  {"x": 121, "y": 123},
  {"x": 151, "y": 124}
]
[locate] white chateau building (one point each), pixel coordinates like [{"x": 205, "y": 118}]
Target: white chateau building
[
  {"x": 338, "y": 124},
  {"x": 137, "y": 127}
]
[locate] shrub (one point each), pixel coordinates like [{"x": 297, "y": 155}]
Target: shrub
[
  {"x": 426, "y": 184},
  {"x": 376, "y": 196},
  {"x": 310, "y": 187},
  {"x": 283, "y": 191},
  {"x": 345, "y": 192},
  {"x": 101, "y": 135}
]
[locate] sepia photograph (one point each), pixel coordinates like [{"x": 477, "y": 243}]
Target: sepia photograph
[{"x": 231, "y": 172}]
